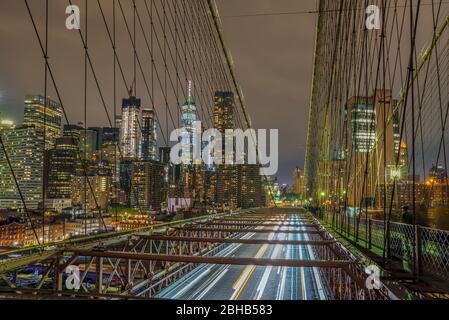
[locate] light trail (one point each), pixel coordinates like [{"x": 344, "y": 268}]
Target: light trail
[
  {"x": 255, "y": 282},
  {"x": 244, "y": 277}
]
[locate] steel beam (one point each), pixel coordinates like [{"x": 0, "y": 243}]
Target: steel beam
[
  {"x": 246, "y": 230},
  {"x": 214, "y": 260},
  {"x": 251, "y": 224},
  {"x": 255, "y": 220},
  {"x": 241, "y": 241},
  {"x": 15, "y": 263}
]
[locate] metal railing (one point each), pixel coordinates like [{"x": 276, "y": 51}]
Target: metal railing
[{"x": 424, "y": 250}]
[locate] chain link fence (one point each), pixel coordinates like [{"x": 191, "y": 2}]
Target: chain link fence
[{"x": 425, "y": 250}]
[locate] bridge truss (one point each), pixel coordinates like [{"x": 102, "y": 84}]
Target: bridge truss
[{"x": 145, "y": 264}]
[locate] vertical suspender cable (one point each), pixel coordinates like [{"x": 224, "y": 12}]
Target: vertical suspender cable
[{"x": 44, "y": 153}]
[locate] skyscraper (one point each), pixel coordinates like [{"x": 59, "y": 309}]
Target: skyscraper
[
  {"x": 111, "y": 156},
  {"x": 82, "y": 194},
  {"x": 249, "y": 186},
  {"x": 110, "y": 136},
  {"x": 130, "y": 129},
  {"x": 188, "y": 118},
  {"x": 24, "y": 146},
  {"x": 88, "y": 143},
  {"x": 149, "y": 135},
  {"x": 372, "y": 137},
  {"x": 228, "y": 184},
  {"x": 125, "y": 181},
  {"x": 72, "y": 131},
  {"x": 148, "y": 189},
  {"x": 61, "y": 170},
  {"x": 224, "y": 116},
  {"x": 46, "y": 115},
  {"x": 164, "y": 160},
  {"x": 224, "y": 111},
  {"x": 298, "y": 181},
  {"x": 361, "y": 119}
]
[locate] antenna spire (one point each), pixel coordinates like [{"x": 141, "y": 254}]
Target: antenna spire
[{"x": 190, "y": 92}]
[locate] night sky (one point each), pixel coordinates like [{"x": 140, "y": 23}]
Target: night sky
[{"x": 272, "y": 54}]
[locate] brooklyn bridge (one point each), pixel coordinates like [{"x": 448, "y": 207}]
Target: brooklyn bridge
[{"x": 91, "y": 212}]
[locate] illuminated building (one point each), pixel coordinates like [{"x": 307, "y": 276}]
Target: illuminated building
[
  {"x": 130, "y": 129},
  {"x": 136, "y": 221},
  {"x": 164, "y": 155},
  {"x": 109, "y": 153},
  {"x": 61, "y": 168},
  {"x": 210, "y": 186},
  {"x": 224, "y": 116},
  {"x": 175, "y": 187},
  {"x": 249, "y": 186},
  {"x": 403, "y": 196},
  {"x": 169, "y": 169},
  {"x": 110, "y": 136},
  {"x": 438, "y": 173},
  {"x": 400, "y": 172},
  {"x": 227, "y": 186},
  {"x": 72, "y": 131},
  {"x": 227, "y": 190},
  {"x": 88, "y": 143},
  {"x": 198, "y": 183},
  {"x": 91, "y": 189},
  {"x": 370, "y": 140},
  {"x": 12, "y": 234},
  {"x": 188, "y": 118},
  {"x": 149, "y": 135},
  {"x": 24, "y": 146},
  {"x": 298, "y": 181},
  {"x": 125, "y": 182},
  {"x": 89, "y": 139},
  {"x": 51, "y": 233},
  {"x": 267, "y": 195},
  {"x": 83, "y": 226},
  {"x": 387, "y": 136},
  {"x": 276, "y": 191},
  {"x": 46, "y": 115},
  {"x": 361, "y": 119},
  {"x": 224, "y": 112},
  {"x": 147, "y": 191}
]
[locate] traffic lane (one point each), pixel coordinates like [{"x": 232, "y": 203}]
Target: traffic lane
[
  {"x": 221, "y": 288},
  {"x": 187, "y": 286},
  {"x": 192, "y": 285},
  {"x": 259, "y": 282},
  {"x": 270, "y": 283},
  {"x": 253, "y": 281}
]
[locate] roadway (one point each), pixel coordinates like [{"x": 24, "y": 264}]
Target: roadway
[{"x": 214, "y": 282}]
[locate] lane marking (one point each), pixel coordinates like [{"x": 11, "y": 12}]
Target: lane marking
[
  {"x": 220, "y": 276},
  {"x": 240, "y": 285}
]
